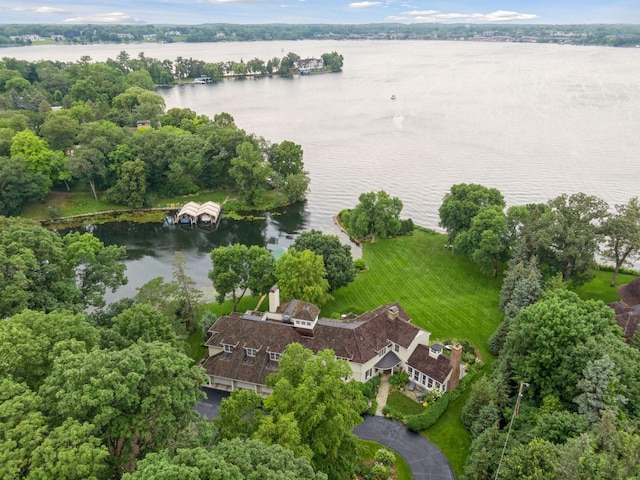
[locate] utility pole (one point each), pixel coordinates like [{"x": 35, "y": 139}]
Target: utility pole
[{"x": 513, "y": 416}]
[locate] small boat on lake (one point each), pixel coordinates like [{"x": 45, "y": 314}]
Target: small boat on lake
[
  {"x": 202, "y": 80},
  {"x": 393, "y": 97}
]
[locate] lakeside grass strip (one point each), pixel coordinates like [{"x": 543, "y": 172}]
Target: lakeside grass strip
[{"x": 443, "y": 293}]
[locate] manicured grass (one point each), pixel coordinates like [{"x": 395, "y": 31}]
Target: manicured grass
[
  {"x": 367, "y": 450},
  {"x": 450, "y": 436},
  {"x": 247, "y": 302},
  {"x": 599, "y": 288},
  {"x": 403, "y": 404},
  {"x": 441, "y": 292}
]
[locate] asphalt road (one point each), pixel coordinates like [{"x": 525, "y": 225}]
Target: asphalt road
[{"x": 425, "y": 460}]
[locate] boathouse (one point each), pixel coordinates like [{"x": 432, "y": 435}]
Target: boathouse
[{"x": 193, "y": 213}]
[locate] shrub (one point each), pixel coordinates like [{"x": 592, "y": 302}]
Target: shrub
[
  {"x": 430, "y": 416},
  {"x": 399, "y": 379},
  {"x": 380, "y": 472},
  {"x": 406, "y": 226},
  {"x": 384, "y": 456},
  {"x": 359, "y": 264},
  {"x": 392, "y": 413}
]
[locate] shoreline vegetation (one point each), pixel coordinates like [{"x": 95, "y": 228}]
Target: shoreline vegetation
[
  {"x": 587, "y": 34},
  {"x": 71, "y": 209}
]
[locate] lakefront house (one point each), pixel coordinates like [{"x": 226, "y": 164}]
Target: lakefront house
[{"x": 244, "y": 348}]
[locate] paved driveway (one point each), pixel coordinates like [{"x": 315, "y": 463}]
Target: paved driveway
[
  {"x": 424, "y": 458},
  {"x": 210, "y": 406}
]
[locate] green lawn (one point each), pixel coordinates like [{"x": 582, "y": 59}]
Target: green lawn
[
  {"x": 599, "y": 288},
  {"x": 367, "y": 450},
  {"x": 403, "y": 404},
  {"x": 451, "y": 436},
  {"x": 443, "y": 293}
]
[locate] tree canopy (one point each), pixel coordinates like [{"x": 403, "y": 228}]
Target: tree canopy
[
  {"x": 44, "y": 271},
  {"x": 238, "y": 268},
  {"x": 301, "y": 275},
  {"x": 462, "y": 203},
  {"x": 376, "y": 214},
  {"x": 336, "y": 256}
]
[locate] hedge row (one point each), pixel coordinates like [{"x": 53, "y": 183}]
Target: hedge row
[{"x": 433, "y": 412}]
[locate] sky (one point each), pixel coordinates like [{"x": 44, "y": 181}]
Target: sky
[{"x": 196, "y": 12}]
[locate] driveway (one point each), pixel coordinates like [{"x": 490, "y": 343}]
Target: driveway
[
  {"x": 425, "y": 460},
  {"x": 210, "y": 406}
]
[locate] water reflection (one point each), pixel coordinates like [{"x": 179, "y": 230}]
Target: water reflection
[{"x": 151, "y": 246}]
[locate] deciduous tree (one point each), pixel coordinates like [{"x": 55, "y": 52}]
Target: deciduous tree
[
  {"x": 238, "y": 268},
  {"x": 301, "y": 275},
  {"x": 376, "y": 214},
  {"x": 336, "y": 256},
  {"x": 325, "y": 406},
  {"x": 486, "y": 240},
  {"x": 622, "y": 235},
  {"x": 567, "y": 236},
  {"x": 462, "y": 203}
]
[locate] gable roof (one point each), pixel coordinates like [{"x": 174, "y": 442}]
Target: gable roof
[
  {"x": 436, "y": 368},
  {"x": 358, "y": 340}
]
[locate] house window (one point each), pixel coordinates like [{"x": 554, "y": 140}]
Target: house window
[
  {"x": 423, "y": 380},
  {"x": 416, "y": 375},
  {"x": 274, "y": 356},
  {"x": 251, "y": 352},
  {"x": 228, "y": 348},
  {"x": 368, "y": 373},
  {"x": 430, "y": 384},
  {"x": 382, "y": 352},
  {"x": 409, "y": 370},
  {"x": 396, "y": 347}
]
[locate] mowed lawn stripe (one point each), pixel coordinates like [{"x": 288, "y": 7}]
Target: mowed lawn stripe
[{"x": 443, "y": 293}]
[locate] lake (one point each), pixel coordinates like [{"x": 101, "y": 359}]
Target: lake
[{"x": 534, "y": 121}]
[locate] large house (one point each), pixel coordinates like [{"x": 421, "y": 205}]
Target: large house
[
  {"x": 245, "y": 347},
  {"x": 628, "y": 308}
]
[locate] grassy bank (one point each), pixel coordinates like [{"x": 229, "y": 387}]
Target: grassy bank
[
  {"x": 443, "y": 293},
  {"x": 59, "y": 204}
]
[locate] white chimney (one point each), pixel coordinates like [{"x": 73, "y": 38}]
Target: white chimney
[{"x": 274, "y": 299}]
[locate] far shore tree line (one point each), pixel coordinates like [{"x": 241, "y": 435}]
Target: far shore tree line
[{"x": 93, "y": 143}]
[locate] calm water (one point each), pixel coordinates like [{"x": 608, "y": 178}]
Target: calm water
[{"x": 534, "y": 121}]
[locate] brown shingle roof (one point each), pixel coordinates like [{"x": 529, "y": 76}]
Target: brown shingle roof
[
  {"x": 630, "y": 293},
  {"x": 627, "y": 318},
  {"x": 358, "y": 340},
  {"x": 436, "y": 368}
]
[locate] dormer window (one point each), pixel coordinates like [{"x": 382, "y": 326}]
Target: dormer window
[
  {"x": 274, "y": 356},
  {"x": 228, "y": 348},
  {"x": 251, "y": 352}
]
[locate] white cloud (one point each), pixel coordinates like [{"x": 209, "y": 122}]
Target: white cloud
[
  {"x": 421, "y": 12},
  {"x": 40, "y": 9},
  {"x": 497, "y": 16},
  {"x": 112, "y": 17},
  {"x": 364, "y": 4}
]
